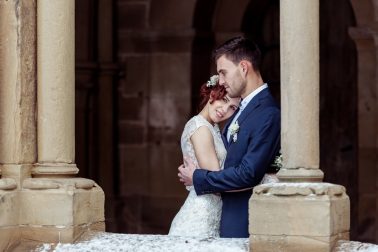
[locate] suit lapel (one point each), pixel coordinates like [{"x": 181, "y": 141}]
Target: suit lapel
[
  {"x": 225, "y": 129},
  {"x": 252, "y": 105}
]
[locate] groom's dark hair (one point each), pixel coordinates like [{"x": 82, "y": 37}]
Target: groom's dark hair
[{"x": 238, "y": 49}]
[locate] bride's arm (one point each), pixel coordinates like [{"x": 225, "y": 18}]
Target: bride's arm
[{"x": 203, "y": 144}]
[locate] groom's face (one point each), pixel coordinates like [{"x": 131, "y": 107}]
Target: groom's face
[{"x": 230, "y": 77}]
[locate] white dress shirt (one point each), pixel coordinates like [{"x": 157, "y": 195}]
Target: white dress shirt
[{"x": 243, "y": 105}]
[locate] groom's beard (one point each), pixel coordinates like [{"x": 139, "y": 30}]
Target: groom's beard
[{"x": 238, "y": 86}]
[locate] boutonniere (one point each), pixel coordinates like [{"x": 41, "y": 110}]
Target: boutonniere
[
  {"x": 277, "y": 163},
  {"x": 234, "y": 129}
]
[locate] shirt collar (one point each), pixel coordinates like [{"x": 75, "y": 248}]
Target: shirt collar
[{"x": 249, "y": 97}]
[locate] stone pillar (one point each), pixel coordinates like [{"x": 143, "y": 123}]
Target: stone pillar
[
  {"x": 40, "y": 209},
  {"x": 56, "y": 88},
  {"x": 55, "y": 206},
  {"x": 17, "y": 89},
  {"x": 300, "y": 90},
  {"x": 298, "y": 216},
  {"x": 17, "y": 111}
]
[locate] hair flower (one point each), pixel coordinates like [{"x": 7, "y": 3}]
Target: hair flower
[{"x": 213, "y": 81}]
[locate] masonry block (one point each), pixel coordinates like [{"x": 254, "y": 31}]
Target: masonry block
[
  {"x": 58, "y": 234},
  {"x": 9, "y": 212},
  {"x": 132, "y": 15},
  {"x": 134, "y": 163},
  {"x": 60, "y": 210},
  {"x": 298, "y": 217},
  {"x": 171, "y": 13},
  {"x": 9, "y": 208}
]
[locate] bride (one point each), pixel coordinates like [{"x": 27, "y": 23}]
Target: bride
[{"x": 201, "y": 141}]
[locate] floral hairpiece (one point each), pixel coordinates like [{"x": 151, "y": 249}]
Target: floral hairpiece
[{"x": 213, "y": 81}]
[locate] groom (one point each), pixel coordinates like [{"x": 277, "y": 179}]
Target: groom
[{"x": 251, "y": 136}]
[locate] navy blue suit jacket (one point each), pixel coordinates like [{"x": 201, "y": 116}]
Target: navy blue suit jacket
[{"x": 258, "y": 141}]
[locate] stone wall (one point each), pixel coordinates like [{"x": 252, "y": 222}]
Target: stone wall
[
  {"x": 154, "y": 51},
  {"x": 364, "y": 35}
]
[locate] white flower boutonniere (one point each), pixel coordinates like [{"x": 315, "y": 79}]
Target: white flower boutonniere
[
  {"x": 277, "y": 163},
  {"x": 234, "y": 129}
]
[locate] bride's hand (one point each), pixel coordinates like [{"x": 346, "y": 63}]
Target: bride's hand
[{"x": 186, "y": 171}]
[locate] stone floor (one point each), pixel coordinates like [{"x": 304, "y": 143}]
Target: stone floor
[
  {"x": 101, "y": 241},
  {"x": 149, "y": 243}
]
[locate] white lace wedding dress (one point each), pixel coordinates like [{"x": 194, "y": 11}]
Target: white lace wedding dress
[{"x": 200, "y": 215}]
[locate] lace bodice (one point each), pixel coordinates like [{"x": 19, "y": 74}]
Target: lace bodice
[
  {"x": 191, "y": 126},
  {"x": 200, "y": 215}
]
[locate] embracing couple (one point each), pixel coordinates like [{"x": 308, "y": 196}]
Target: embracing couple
[{"x": 221, "y": 169}]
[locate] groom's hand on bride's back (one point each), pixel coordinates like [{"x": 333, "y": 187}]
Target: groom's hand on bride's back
[{"x": 186, "y": 171}]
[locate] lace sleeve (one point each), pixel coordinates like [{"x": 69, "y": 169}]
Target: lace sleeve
[
  {"x": 192, "y": 126},
  {"x": 198, "y": 123}
]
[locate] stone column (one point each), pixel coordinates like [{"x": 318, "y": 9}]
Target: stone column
[
  {"x": 299, "y": 216},
  {"x": 17, "y": 111},
  {"x": 17, "y": 89},
  {"x": 56, "y": 87},
  {"x": 300, "y": 90},
  {"x": 56, "y": 206}
]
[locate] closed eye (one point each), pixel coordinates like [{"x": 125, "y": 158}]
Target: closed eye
[{"x": 222, "y": 72}]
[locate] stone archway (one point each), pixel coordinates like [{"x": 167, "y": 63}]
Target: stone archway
[
  {"x": 228, "y": 19},
  {"x": 212, "y": 25},
  {"x": 261, "y": 23},
  {"x": 203, "y": 43}
]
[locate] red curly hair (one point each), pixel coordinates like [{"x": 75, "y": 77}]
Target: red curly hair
[{"x": 212, "y": 93}]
